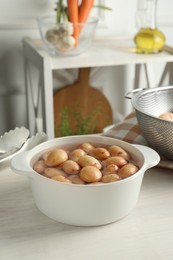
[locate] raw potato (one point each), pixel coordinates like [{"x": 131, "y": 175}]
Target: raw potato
[
  {"x": 76, "y": 154},
  {"x": 56, "y": 157},
  {"x": 127, "y": 170},
  {"x": 95, "y": 183},
  {"x": 86, "y": 164},
  {"x": 75, "y": 179},
  {"x": 86, "y": 160},
  {"x": 110, "y": 178},
  {"x": 52, "y": 172},
  {"x": 110, "y": 169},
  {"x": 118, "y": 160},
  {"x": 99, "y": 153},
  {"x": 61, "y": 179},
  {"x": 118, "y": 151},
  {"x": 167, "y": 116},
  {"x": 45, "y": 155},
  {"x": 90, "y": 174},
  {"x": 71, "y": 167},
  {"x": 86, "y": 147},
  {"x": 39, "y": 166}
]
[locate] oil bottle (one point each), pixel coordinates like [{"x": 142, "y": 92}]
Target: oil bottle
[{"x": 149, "y": 39}]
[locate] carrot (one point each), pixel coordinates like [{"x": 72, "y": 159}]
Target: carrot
[
  {"x": 72, "y": 9},
  {"x": 78, "y": 14},
  {"x": 84, "y": 10}
]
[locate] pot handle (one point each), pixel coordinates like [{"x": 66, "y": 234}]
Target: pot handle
[
  {"x": 19, "y": 164},
  {"x": 152, "y": 158}
]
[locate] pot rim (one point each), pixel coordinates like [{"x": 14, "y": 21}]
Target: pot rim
[{"x": 136, "y": 151}]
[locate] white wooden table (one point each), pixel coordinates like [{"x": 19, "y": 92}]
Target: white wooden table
[
  {"x": 103, "y": 52},
  {"x": 145, "y": 234}
]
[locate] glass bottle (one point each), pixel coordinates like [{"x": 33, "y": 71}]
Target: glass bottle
[{"x": 149, "y": 39}]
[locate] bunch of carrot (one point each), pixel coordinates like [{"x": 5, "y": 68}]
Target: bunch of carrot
[{"x": 78, "y": 13}]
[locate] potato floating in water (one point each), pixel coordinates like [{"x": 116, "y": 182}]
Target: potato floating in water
[
  {"x": 52, "y": 172},
  {"x": 56, "y": 157},
  {"x": 115, "y": 150},
  {"x": 90, "y": 174},
  {"x": 76, "y": 154},
  {"x": 127, "y": 170},
  {"x": 71, "y": 167},
  {"x": 61, "y": 179},
  {"x": 86, "y": 160},
  {"x": 99, "y": 153},
  {"x": 118, "y": 160},
  {"x": 110, "y": 178},
  {"x": 86, "y": 164},
  {"x": 39, "y": 166},
  {"x": 75, "y": 179},
  {"x": 86, "y": 147},
  {"x": 110, "y": 169}
]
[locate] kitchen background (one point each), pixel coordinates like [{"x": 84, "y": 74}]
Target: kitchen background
[{"x": 18, "y": 20}]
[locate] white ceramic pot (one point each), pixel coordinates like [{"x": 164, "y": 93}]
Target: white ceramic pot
[{"x": 85, "y": 205}]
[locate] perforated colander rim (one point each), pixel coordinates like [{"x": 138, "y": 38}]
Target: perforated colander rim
[{"x": 143, "y": 92}]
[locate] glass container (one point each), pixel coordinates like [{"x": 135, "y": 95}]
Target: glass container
[
  {"x": 58, "y": 38},
  {"x": 149, "y": 39}
]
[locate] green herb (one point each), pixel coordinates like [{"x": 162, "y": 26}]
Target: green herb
[
  {"x": 81, "y": 125},
  {"x": 64, "y": 129},
  {"x": 61, "y": 12},
  {"x": 103, "y": 7},
  {"x": 84, "y": 125}
]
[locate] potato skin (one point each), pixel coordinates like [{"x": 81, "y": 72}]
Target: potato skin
[
  {"x": 86, "y": 160},
  {"x": 76, "y": 154},
  {"x": 56, "y": 157},
  {"x": 86, "y": 164},
  {"x": 75, "y": 179},
  {"x": 52, "y": 172},
  {"x": 115, "y": 150},
  {"x": 110, "y": 178},
  {"x": 90, "y": 174},
  {"x": 71, "y": 167},
  {"x": 39, "y": 166},
  {"x": 86, "y": 147},
  {"x": 117, "y": 160},
  {"x": 110, "y": 169},
  {"x": 99, "y": 153},
  {"x": 61, "y": 179},
  {"x": 127, "y": 170}
]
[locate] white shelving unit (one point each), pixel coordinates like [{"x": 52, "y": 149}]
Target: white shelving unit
[{"x": 104, "y": 52}]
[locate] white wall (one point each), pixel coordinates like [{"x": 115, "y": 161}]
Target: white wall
[{"x": 17, "y": 20}]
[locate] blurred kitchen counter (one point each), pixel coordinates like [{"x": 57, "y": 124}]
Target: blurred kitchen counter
[{"x": 145, "y": 234}]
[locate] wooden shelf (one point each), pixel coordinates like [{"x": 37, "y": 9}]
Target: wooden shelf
[{"x": 103, "y": 52}]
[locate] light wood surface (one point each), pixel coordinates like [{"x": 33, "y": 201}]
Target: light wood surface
[
  {"x": 105, "y": 51},
  {"x": 84, "y": 102},
  {"x": 145, "y": 234}
]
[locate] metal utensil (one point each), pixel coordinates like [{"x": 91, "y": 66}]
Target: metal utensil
[{"x": 149, "y": 104}]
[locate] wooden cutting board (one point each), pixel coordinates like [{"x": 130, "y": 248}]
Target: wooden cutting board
[{"x": 80, "y": 108}]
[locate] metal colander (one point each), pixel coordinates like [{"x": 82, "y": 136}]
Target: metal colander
[{"x": 149, "y": 104}]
